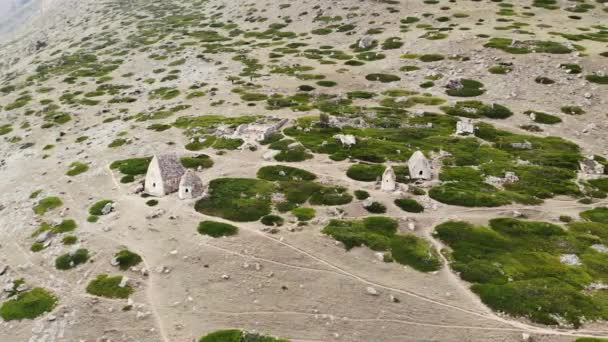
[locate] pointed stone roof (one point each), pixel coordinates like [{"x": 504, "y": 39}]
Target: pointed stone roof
[
  {"x": 170, "y": 166},
  {"x": 191, "y": 179}
]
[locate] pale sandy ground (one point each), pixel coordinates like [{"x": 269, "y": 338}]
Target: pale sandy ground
[{"x": 326, "y": 298}]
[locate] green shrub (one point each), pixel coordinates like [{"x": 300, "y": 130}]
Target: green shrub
[
  {"x": 77, "y": 168},
  {"x": 272, "y": 220},
  {"x": 365, "y": 172},
  {"x": 596, "y": 215},
  {"x": 409, "y": 205},
  {"x": 572, "y": 110},
  {"x": 234, "y": 335},
  {"x": 69, "y": 239},
  {"x": 107, "y": 286},
  {"x": 431, "y": 58},
  {"x": 379, "y": 234},
  {"x": 216, "y": 229},
  {"x": 237, "y": 199},
  {"x": 127, "y": 259},
  {"x": 512, "y": 258},
  {"x": 98, "y": 206},
  {"x": 544, "y": 118},
  {"x": 70, "y": 260},
  {"x": 152, "y": 202},
  {"x": 469, "y": 88},
  {"x": 596, "y": 78},
  {"x": 303, "y": 214},
  {"x": 376, "y": 208},
  {"x": 133, "y": 166},
  {"x": 201, "y": 160},
  {"x": 335, "y": 195},
  {"x": 384, "y": 78},
  {"x": 600, "y": 183},
  {"x": 361, "y": 194},
  {"x": 28, "y": 305},
  {"x": 46, "y": 204},
  {"x": 284, "y": 173}
]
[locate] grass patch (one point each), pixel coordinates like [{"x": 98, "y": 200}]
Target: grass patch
[
  {"x": 511, "y": 259},
  {"x": 234, "y": 335},
  {"x": 284, "y": 173},
  {"x": 28, "y": 305},
  {"x": 216, "y": 229},
  {"x": 97, "y": 207},
  {"x": 304, "y": 214},
  {"x": 77, "y": 168},
  {"x": 70, "y": 260},
  {"x": 379, "y": 234},
  {"x": 237, "y": 199},
  {"x": 127, "y": 259},
  {"x": 108, "y": 287},
  {"x": 409, "y": 205},
  {"x": 46, "y": 204}
]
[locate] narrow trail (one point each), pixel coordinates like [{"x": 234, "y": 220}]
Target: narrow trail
[
  {"x": 514, "y": 325},
  {"x": 518, "y": 326}
]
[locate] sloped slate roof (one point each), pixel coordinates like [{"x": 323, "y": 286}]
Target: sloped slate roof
[{"x": 170, "y": 166}]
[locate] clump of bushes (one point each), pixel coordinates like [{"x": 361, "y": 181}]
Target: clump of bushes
[
  {"x": 512, "y": 258},
  {"x": 108, "y": 287},
  {"x": 70, "y": 260},
  {"x": 469, "y": 88},
  {"x": 409, "y": 205},
  {"x": 284, "y": 173},
  {"x": 201, "y": 160},
  {"x": 272, "y": 220},
  {"x": 216, "y": 229},
  {"x": 127, "y": 259},
  {"x": 46, "y": 204},
  {"x": 28, "y": 305},
  {"x": 77, "y": 168},
  {"x": 376, "y": 208},
  {"x": 384, "y": 78},
  {"x": 379, "y": 234},
  {"x": 237, "y": 199},
  {"x": 234, "y": 335},
  {"x": 303, "y": 214}
]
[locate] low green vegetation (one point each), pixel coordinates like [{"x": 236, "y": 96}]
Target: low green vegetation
[
  {"x": 46, "y": 204},
  {"x": 237, "y": 199},
  {"x": 528, "y": 46},
  {"x": 70, "y": 260},
  {"x": 217, "y": 229},
  {"x": 303, "y": 214},
  {"x": 234, "y": 335},
  {"x": 77, "y": 168},
  {"x": 28, "y": 305},
  {"x": 512, "y": 258},
  {"x": 125, "y": 259},
  {"x": 468, "y": 88},
  {"x": 596, "y": 215},
  {"x": 409, "y": 205},
  {"x": 284, "y": 173},
  {"x": 97, "y": 208},
  {"x": 108, "y": 287},
  {"x": 199, "y": 161},
  {"x": 380, "y": 234}
]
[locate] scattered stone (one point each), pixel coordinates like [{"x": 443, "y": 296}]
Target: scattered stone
[
  {"x": 570, "y": 259},
  {"x": 372, "y": 291}
]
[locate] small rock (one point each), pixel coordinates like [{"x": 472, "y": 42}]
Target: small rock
[{"x": 371, "y": 291}]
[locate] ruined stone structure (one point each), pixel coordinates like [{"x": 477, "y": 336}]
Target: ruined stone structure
[
  {"x": 389, "y": 180},
  {"x": 419, "y": 166},
  {"x": 163, "y": 175},
  {"x": 590, "y": 166},
  {"x": 347, "y": 140},
  {"x": 257, "y": 132},
  {"x": 464, "y": 127},
  {"x": 190, "y": 186}
]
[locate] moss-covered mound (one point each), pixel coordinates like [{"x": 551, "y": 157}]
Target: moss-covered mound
[
  {"x": 237, "y": 199},
  {"x": 28, "y": 305},
  {"x": 127, "y": 259},
  {"x": 109, "y": 287},
  {"x": 284, "y": 173},
  {"x": 380, "y": 234},
  {"x": 216, "y": 229},
  {"x": 234, "y": 335},
  {"x": 511, "y": 259}
]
